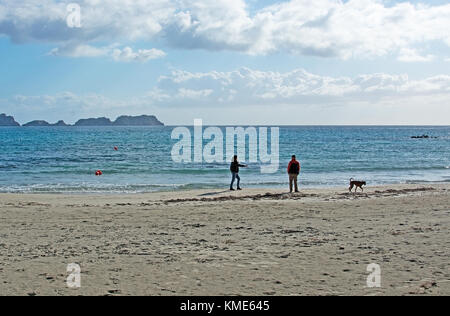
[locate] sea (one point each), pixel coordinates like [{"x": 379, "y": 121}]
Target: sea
[{"x": 65, "y": 159}]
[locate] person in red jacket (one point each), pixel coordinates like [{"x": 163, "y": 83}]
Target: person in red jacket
[{"x": 293, "y": 171}]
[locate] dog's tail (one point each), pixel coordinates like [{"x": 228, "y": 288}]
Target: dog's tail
[{"x": 352, "y": 179}]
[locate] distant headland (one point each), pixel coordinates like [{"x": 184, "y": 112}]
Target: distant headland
[
  {"x": 143, "y": 120},
  {"x": 7, "y": 121},
  {"x": 44, "y": 124}
]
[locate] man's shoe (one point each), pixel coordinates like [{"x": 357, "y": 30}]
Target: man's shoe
[
  {"x": 239, "y": 189},
  {"x": 231, "y": 189}
]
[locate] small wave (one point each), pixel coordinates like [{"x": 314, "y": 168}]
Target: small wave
[
  {"x": 7, "y": 167},
  {"x": 87, "y": 188},
  {"x": 426, "y": 181}
]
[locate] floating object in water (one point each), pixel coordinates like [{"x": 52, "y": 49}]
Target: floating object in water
[
  {"x": 116, "y": 148},
  {"x": 98, "y": 173},
  {"x": 420, "y": 137},
  {"x": 423, "y": 137}
]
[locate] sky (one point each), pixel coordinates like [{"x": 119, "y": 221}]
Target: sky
[{"x": 228, "y": 62}]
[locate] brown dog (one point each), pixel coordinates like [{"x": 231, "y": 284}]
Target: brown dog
[{"x": 357, "y": 184}]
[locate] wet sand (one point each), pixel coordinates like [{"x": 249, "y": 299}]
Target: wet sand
[{"x": 254, "y": 242}]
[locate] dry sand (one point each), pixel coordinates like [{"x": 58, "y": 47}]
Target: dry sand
[{"x": 318, "y": 242}]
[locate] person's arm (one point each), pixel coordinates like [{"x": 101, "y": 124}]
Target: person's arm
[
  {"x": 289, "y": 167},
  {"x": 243, "y": 166}
]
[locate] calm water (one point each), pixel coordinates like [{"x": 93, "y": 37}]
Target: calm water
[{"x": 64, "y": 159}]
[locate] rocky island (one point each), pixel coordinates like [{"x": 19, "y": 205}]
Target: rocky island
[
  {"x": 44, "y": 124},
  {"x": 60, "y": 123},
  {"x": 102, "y": 121},
  {"x": 36, "y": 124},
  {"x": 143, "y": 120},
  {"x": 7, "y": 121}
]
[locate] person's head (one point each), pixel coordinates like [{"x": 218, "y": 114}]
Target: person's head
[
  {"x": 235, "y": 158},
  {"x": 293, "y": 157}
]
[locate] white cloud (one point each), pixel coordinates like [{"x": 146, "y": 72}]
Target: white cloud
[
  {"x": 70, "y": 107},
  {"x": 350, "y": 29},
  {"x": 79, "y": 51},
  {"x": 247, "y": 87},
  {"x": 142, "y": 55},
  {"x": 193, "y": 94},
  {"x": 120, "y": 55},
  {"x": 409, "y": 55},
  {"x": 68, "y": 100},
  {"x": 267, "y": 97},
  {"x": 299, "y": 87}
]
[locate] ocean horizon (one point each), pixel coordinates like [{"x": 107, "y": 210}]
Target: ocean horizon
[{"x": 65, "y": 159}]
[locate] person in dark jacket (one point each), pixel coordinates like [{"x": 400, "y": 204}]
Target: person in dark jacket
[
  {"x": 293, "y": 171},
  {"x": 234, "y": 168}
]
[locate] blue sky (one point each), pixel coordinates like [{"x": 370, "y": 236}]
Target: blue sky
[{"x": 228, "y": 62}]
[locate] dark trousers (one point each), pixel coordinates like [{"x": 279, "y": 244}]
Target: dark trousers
[
  {"x": 293, "y": 181},
  {"x": 235, "y": 176}
]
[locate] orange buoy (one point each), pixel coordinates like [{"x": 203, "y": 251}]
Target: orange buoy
[{"x": 98, "y": 173}]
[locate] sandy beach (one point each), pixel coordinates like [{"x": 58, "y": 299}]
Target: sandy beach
[{"x": 254, "y": 242}]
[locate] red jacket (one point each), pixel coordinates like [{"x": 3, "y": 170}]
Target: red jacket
[{"x": 293, "y": 167}]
